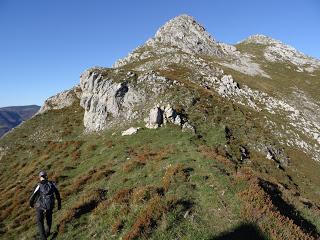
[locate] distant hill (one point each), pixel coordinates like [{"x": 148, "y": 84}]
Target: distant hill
[{"x": 11, "y": 117}]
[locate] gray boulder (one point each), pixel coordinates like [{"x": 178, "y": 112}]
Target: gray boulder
[
  {"x": 155, "y": 118},
  {"x": 160, "y": 116}
]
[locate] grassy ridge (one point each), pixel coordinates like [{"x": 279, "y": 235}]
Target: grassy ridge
[
  {"x": 157, "y": 184},
  {"x": 284, "y": 76}
]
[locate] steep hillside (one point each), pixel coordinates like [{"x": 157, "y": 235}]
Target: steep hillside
[
  {"x": 220, "y": 149},
  {"x": 11, "y": 117}
]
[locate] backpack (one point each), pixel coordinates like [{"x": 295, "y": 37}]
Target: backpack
[{"x": 46, "y": 198}]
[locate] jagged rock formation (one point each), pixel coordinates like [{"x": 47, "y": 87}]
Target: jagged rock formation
[
  {"x": 188, "y": 35},
  {"x": 183, "y": 33},
  {"x": 161, "y": 115},
  {"x": 103, "y": 98}
]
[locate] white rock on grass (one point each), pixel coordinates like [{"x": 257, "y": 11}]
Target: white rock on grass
[
  {"x": 130, "y": 131},
  {"x": 187, "y": 127}
]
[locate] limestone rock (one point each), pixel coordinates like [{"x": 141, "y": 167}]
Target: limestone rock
[
  {"x": 155, "y": 118},
  {"x": 185, "y": 33},
  {"x": 172, "y": 116},
  {"x": 187, "y": 127},
  {"x": 228, "y": 86},
  {"x": 104, "y": 98},
  {"x": 130, "y": 131},
  {"x": 160, "y": 115},
  {"x": 277, "y": 155},
  {"x": 61, "y": 100}
]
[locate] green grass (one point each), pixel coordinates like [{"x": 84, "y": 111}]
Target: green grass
[{"x": 156, "y": 184}]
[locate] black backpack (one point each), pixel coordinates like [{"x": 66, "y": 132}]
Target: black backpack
[{"x": 46, "y": 198}]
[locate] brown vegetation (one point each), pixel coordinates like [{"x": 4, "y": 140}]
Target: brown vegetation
[
  {"x": 146, "y": 221},
  {"x": 85, "y": 204},
  {"x": 140, "y": 157},
  {"x": 175, "y": 173},
  {"x": 259, "y": 208}
]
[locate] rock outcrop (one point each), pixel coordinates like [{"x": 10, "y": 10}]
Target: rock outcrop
[
  {"x": 61, "y": 100},
  {"x": 161, "y": 115},
  {"x": 228, "y": 86},
  {"x": 103, "y": 99},
  {"x": 184, "y": 34}
]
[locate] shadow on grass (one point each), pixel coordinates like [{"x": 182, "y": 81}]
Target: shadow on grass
[
  {"x": 244, "y": 231},
  {"x": 287, "y": 209}
]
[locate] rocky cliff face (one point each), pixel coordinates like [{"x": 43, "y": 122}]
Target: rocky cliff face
[
  {"x": 105, "y": 100},
  {"x": 148, "y": 84}
]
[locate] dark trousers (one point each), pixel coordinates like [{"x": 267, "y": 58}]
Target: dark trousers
[{"x": 41, "y": 215}]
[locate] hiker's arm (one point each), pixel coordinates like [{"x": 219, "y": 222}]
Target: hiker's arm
[
  {"x": 34, "y": 196},
  {"x": 56, "y": 191}
]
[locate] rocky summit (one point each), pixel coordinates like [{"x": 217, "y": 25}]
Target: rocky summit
[
  {"x": 185, "y": 138},
  {"x": 143, "y": 81}
]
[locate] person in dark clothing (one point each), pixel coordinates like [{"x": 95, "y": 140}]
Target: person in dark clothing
[{"x": 42, "y": 199}]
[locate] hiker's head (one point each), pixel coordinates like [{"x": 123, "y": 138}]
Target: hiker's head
[{"x": 43, "y": 175}]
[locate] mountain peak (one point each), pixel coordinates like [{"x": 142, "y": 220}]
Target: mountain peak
[
  {"x": 186, "y": 33},
  {"x": 180, "y": 24},
  {"x": 277, "y": 51},
  {"x": 260, "y": 39}
]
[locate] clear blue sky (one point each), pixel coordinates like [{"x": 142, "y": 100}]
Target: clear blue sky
[{"x": 46, "y": 44}]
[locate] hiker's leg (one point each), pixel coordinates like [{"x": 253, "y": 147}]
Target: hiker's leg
[
  {"x": 40, "y": 223},
  {"x": 49, "y": 221}
]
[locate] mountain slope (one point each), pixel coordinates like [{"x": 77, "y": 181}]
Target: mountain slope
[
  {"x": 217, "y": 154},
  {"x": 11, "y": 117}
]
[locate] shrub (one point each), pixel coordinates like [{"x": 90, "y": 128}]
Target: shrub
[
  {"x": 145, "y": 193},
  {"x": 75, "y": 155},
  {"x": 123, "y": 196},
  {"x": 147, "y": 220},
  {"x": 117, "y": 225},
  {"x": 173, "y": 173},
  {"x": 91, "y": 147}
]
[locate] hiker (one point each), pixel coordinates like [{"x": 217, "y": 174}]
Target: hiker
[{"x": 42, "y": 199}]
